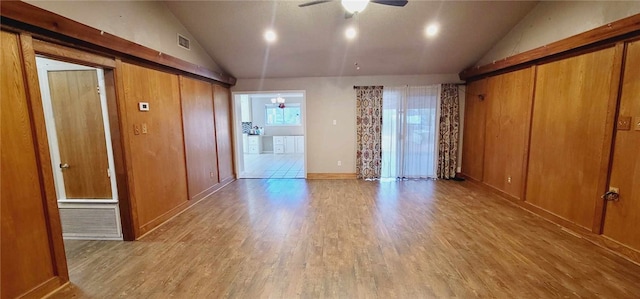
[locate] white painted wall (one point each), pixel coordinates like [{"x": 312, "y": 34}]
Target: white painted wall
[
  {"x": 148, "y": 23},
  {"x": 333, "y": 98},
  {"x": 551, "y": 21}
]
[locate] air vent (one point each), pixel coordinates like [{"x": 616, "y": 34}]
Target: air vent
[
  {"x": 184, "y": 42},
  {"x": 97, "y": 222}
]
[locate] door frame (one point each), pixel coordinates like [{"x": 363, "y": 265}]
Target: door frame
[
  {"x": 237, "y": 126},
  {"x": 108, "y": 65},
  {"x": 52, "y": 135}
]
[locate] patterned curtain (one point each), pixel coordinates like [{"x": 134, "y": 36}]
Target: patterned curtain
[
  {"x": 449, "y": 131},
  {"x": 369, "y": 132}
]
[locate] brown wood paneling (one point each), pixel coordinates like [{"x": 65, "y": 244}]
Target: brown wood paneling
[
  {"x": 572, "y": 101},
  {"x": 473, "y": 134},
  {"x": 72, "y": 55},
  {"x": 615, "y": 29},
  {"x": 156, "y": 157},
  {"x": 199, "y": 136},
  {"x": 622, "y": 217},
  {"x": 26, "y": 257},
  {"x": 222, "y": 108},
  {"x": 81, "y": 140},
  {"x": 117, "y": 141},
  {"x": 508, "y": 103},
  {"x": 32, "y": 15}
]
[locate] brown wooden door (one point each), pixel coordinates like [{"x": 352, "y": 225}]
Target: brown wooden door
[
  {"x": 623, "y": 217},
  {"x": 80, "y": 130},
  {"x": 222, "y": 110},
  {"x": 199, "y": 136},
  {"x": 508, "y": 105},
  {"x": 26, "y": 245},
  {"x": 575, "y": 100},
  {"x": 473, "y": 135}
]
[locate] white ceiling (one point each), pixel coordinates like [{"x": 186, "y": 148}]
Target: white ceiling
[{"x": 311, "y": 40}]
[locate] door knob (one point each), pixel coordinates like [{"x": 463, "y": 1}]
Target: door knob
[
  {"x": 64, "y": 166},
  {"x": 611, "y": 196}
]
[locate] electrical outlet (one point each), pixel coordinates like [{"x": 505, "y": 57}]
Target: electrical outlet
[
  {"x": 144, "y": 128},
  {"x": 339, "y": 163},
  {"x": 136, "y": 129},
  {"x": 509, "y": 180},
  {"x": 334, "y": 122},
  {"x": 211, "y": 174},
  {"x": 636, "y": 123}
]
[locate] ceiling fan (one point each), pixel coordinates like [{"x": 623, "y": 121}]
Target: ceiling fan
[{"x": 356, "y": 6}]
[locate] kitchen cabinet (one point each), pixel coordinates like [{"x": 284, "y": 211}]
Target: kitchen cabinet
[
  {"x": 278, "y": 144},
  {"x": 299, "y": 144},
  {"x": 288, "y": 144},
  {"x": 254, "y": 143}
]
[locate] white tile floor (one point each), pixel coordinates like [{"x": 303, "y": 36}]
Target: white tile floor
[{"x": 274, "y": 166}]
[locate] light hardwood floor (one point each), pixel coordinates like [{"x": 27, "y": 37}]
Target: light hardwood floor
[{"x": 351, "y": 239}]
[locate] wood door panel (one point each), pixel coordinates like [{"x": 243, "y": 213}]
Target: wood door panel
[
  {"x": 26, "y": 255},
  {"x": 80, "y": 130},
  {"x": 473, "y": 133},
  {"x": 222, "y": 108},
  {"x": 157, "y": 157},
  {"x": 508, "y": 104},
  {"x": 199, "y": 135},
  {"x": 568, "y": 131},
  {"x": 622, "y": 217}
]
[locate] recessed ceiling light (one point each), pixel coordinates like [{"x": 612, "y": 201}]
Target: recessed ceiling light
[
  {"x": 270, "y": 36},
  {"x": 350, "y": 33},
  {"x": 432, "y": 30}
]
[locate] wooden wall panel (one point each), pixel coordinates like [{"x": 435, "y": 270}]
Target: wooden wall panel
[
  {"x": 156, "y": 157},
  {"x": 199, "y": 136},
  {"x": 26, "y": 256},
  {"x": 572, "y": 101},
  {"x": 622, "y": 217},
  {"x": 473, "y": 134},
  {"x": 222, "y": 106},
  {"x": 508, "y": 104}
]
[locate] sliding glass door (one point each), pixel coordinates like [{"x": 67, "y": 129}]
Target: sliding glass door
[{"x": 409, "y": 130}]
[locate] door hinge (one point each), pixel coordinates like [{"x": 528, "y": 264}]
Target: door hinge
[{"x": 108, "y": 172}]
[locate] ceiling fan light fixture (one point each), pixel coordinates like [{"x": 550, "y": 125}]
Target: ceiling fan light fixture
[{"x": 354, "y": 6}]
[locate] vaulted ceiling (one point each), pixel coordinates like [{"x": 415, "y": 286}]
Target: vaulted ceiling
[{"x": 311, "y": 40}]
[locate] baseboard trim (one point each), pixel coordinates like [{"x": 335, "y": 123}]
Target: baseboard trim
[
  {"x": 569, "y": 227},
  {"x": 46, "y": 289},
  {"x": 331, "y": 176}
]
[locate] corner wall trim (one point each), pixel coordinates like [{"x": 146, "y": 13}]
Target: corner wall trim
[{"x": 609, "y": 32}]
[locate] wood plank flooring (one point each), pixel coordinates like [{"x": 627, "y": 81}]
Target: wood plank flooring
[{"x": 351, "y": 239}]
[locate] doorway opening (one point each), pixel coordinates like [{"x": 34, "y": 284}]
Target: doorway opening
[
  {"x": 74, "y": 99},
  {"x": 270, "y": 129}
]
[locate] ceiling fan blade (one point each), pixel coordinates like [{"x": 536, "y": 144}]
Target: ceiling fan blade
[
  {"x": 398, "y": 3},
  {"x": 314, "y": 3}
]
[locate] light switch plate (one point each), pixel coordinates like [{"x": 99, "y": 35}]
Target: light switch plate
[
  {"x": 143, "y": 106},
  {"x": 624, "y": 123}
]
